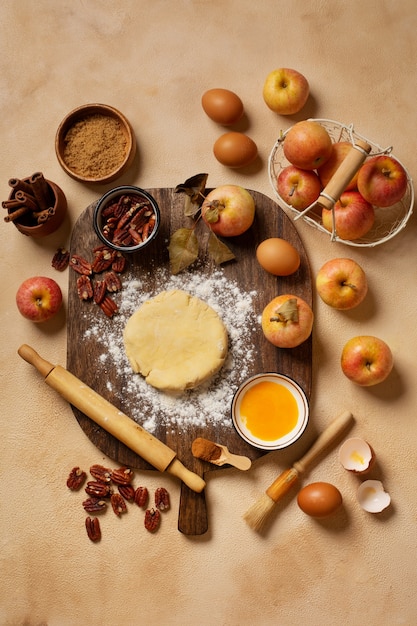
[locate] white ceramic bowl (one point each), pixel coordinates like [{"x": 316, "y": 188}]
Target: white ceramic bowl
[{"x": 285, "y": 440}]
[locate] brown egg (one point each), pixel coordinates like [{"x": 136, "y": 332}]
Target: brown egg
[
  {"x": 319, "y": 499},
  {"x": 222, "y": 106},
  {"x": 235, "y": 149},
  {"x": 278, "y": 256}
]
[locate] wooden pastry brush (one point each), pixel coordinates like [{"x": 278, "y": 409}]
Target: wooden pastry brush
[{"x": 258, "y": 514}]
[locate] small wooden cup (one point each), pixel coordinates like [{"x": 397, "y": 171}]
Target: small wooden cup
[{"x": 26, "y": 223}]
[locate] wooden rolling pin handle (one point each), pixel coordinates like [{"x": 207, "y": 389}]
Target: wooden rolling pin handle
[
  {"x": 324, "y": 441},
  {"x": 282, "y": 484},
  {"x": 29, "y": 355},
  {"x": 344, "y": 174},
  {"x": 192, "y": 480}
]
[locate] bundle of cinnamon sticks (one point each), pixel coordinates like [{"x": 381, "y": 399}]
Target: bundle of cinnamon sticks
[{"x": 31, "y": 198}]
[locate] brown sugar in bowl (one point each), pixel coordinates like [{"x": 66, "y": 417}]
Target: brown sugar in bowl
[
  {"x": 95, "y": 143},
  {"x": 27, "y": 225}
]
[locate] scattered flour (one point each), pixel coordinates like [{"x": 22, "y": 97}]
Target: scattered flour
[{"x": 211, "y": 401}]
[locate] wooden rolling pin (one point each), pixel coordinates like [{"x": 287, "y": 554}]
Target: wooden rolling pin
[{"x": 111, "y": 419}]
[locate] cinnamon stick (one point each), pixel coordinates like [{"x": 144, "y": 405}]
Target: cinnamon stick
[
  {"x": 11, "y": 217},
  {"x": 41, "y": 190},
  {"x": 27, "y": 200},
  {"x": 20, "y": 185}
]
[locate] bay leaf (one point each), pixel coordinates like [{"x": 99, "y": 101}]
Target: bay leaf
[
  {"x": 219, "y": 252},
  {"x": 194, "y": 188},
  {"x": 183, "y": 249}
]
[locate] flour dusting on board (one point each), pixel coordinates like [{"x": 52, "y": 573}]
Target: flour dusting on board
[{"x": 210, "y": 402}]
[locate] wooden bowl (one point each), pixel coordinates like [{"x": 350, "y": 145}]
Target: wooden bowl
[{"x": 95, "y": 144}]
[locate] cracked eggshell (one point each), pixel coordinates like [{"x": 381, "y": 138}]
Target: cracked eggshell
[
  {"x": 372, "y": 497},
  {"x": 356, "y": 455}
]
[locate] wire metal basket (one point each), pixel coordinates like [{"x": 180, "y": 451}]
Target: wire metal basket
[{"x": 389, "y": 221}]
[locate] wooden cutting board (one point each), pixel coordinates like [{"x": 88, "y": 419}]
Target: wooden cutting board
[{"x": 83, "y": 354}]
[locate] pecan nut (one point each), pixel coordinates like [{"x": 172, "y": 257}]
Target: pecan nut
[
  {"x": 162, "y": 499},
  {"x": 76, "y": 479},
  {"x": 112, "y": 281},
  {"x": 122, "y": 476},
  {"x": 108, "y": 306},
  {"x": 98, "y": 489},
  {"x": 60, "y": 260},
  {"x": 92, "y": 525},
  {"x": 80, "y": 265},
  {"x": 103, "y": 259},
  {"x": 101, "y": 473},
  {"x": 84, "y": 287},
  {"x": 152, "y": 520},
  {"x": 119, "y": 263},
  {"x": 141, "y": 496},
  {"x": 118, "y": 504},
  {"x": 94, "y": 505},
  {"x": 127, "y": 491},
  {"x": 99, "y": 291}
]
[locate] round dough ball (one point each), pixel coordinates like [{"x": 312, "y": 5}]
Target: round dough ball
[{"x": 176, "y": 341}]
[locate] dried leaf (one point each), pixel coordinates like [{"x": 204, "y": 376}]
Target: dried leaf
[
  {"x": 183, "y": 249},
  {"x": 287, "y": 312},
  {"x": 218, "y": 250},
  {"x": 194, "y": 187}
]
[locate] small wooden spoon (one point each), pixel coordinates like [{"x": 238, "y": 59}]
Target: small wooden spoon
[{"x": 238, "y": 461}]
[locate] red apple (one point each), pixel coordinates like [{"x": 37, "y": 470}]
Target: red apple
[
  {"x": 287, "y": 321},
  {"x": 307, "y": 145},
  {"x": 366, "y": 360},
  {"x": 382, "y": 181},
  {"x": 338, "y": 154},
  {"x": 354, "y": 216},
  {"x": 341, "y": 283},
  {"x": 39, "y": 298},
  {"x": 298, "y": 188},
  {"x": 285, "y": 91},
  {"x": 229, "y": 210}
]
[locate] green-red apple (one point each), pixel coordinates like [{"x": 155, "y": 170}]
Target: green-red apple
[
  {"x": 298, "y": 188},
  {"x": 287, "y": 321},
  {"x": 229, "y": 210},
  {"x": 366, "y": 360},
  {"x": 339, "y": 152},
  {"x": 39, "y": 298},
  {"x": 307, "y": 145},
  {"x": 382, "y": 180},
  {"x": 285, "y": 91},
  {"x": 353, "y": 216},
  {"x": 341, "y": 283}
]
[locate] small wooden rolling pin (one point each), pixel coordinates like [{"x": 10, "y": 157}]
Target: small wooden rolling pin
[{"x": 111, "y": 419}]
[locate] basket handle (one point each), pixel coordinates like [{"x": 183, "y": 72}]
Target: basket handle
[{"x": 344, "y": 173}]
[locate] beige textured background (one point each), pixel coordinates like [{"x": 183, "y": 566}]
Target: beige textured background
[{"x": 153, "y": 60}]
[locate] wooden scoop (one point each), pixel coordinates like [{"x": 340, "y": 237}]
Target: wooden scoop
[
  {"x": 217, "y": 454},
  {"x": 238, "y": 461}
]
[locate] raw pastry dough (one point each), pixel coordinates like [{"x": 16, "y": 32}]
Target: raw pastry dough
[{"x": 176, "y": 341}]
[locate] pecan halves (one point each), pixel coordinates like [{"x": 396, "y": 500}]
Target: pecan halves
[
  {"x": 122, "y": 476},
  {"x": 94, "y": 505},
  {"x": 80, "y": 265},
  {"x": 76, "y": 479},
  {"x": 162, "y": 499},
  {"x": 141, "y": 496},
  {"x": 127, "y": 491},
  {"x": 112, "y": 281},
  {"x": 152, "y": 520},
  {"x": 84, "y": 287},
  {"x": 99, "y": 291},
  {"x": 92, "y": 525},
  {"x": 98, "y": 489},
  {"x": 103, "y": 259},
  {"x": 118, "y": 504},
  {"x": 101, "y": 473},
  {"x": 60, "y": 260},
  {"x": 108, "y": 306},
  {"x": 119, "y": 263}
]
